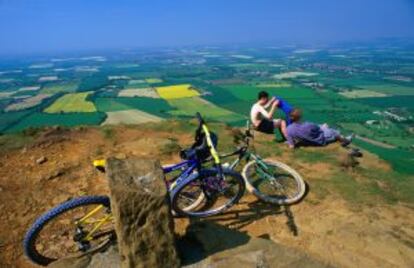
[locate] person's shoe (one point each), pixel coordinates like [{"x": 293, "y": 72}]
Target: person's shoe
[
  {"x": 355, "y": 153},
  {"x": 350, "y": 137},
  {"x": 347, "y": 140}
]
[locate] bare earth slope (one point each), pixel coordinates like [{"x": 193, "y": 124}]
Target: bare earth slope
[{"x": 361, "y": 217}]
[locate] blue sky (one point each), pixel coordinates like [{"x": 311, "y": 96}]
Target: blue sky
[{"x": 58, "y": 25}]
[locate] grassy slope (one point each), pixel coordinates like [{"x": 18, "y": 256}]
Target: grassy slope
[
  {"x": 372, "y": 182},
  {"x": 402, "y": 160}
]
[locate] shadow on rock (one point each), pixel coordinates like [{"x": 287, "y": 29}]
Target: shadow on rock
[
  {"x": 205, "y": 238},
  {"x": 208, "y": 244},
  {"x": 250, "y": 212},
  {"x": 237, "y": 218},
  {"x": 220, "y": 233}
]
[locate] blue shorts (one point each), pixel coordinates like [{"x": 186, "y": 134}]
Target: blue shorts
[{"x": 329, "y": 134}]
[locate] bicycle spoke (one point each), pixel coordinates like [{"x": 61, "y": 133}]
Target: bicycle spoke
[
  {"x": 273, "y": 182},
  {"x": 219, "y": 194}
]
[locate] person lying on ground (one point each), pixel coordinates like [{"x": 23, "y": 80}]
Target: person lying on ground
[
  {"x": 310, "y": 134},
  {"x": 262, "y": 119}
]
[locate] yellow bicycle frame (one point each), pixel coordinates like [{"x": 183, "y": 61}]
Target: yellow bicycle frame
[
  {"x": 213, "y": 151},
  {"x": 98, "y": 223},
  {"x": 101, "y": 164}
]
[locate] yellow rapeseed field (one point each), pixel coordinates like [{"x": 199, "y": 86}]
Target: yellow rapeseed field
[
  {"x": 177, "y": 92},
  {"x": 73, "y": 102}
]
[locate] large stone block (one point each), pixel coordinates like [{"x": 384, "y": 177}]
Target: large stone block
[
  {"x": 143, "y": 220},
  {"x": 140, "y": 205}
]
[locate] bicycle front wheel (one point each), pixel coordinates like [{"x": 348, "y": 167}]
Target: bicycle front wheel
[
  {"x": 273, "y": 182},
  {"x": 218, "y": 193},
  {"x": 80, "y": 224}
]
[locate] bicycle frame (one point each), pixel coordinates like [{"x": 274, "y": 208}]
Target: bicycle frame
[
  {"x": 98, "y": 223},
  {"x": 187, "y": 175},
  {"x": 243, "y": 154},
  {"x": 188, "y": 165}
]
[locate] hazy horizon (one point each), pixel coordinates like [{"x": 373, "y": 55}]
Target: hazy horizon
[{"x": 44, "y": 26}]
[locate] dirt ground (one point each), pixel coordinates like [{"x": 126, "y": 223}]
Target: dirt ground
[{"x": 330, "y": 229}]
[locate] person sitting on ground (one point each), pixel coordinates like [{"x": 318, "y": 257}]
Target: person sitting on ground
[
  {"x": 262, "y": 120},
  {"x": 307, "y": 133}
]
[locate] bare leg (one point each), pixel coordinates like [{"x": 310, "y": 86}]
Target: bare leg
[
  {"x": 345, "y": 141},
  {"x": 340, "y": 138},
  {"x": 282, "y": 126}
]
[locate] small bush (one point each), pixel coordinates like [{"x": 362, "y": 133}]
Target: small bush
[
  {"x": 171, "y": 148},
  {"x": 108, "y": 133}
]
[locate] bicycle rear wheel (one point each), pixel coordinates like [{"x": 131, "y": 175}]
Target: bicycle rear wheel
[
  {"x": 58, "y": 233},
  {"x": 273, "y": 182},
  {"x": 171, "y": 177},
  {"x": 219, "y": 194}
]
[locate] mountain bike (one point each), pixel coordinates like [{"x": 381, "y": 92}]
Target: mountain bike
[
  {"x": 85, "y": 224},
  {"x": 270, "y": 180}
]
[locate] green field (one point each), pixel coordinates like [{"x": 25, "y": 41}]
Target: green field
[
  {"x": 58, "y": 88},
  {"x": 390, "y": 89},
  {"x": 362, "y": 93},
  {"x": 72, "y": 103},
  {"x": 249, "y": 93},
  {"x": 393, "y": 101},
  {"x": 158, "y": 107},
  {"x": 187, "y": 106},
  {"x": 68, "y": 120},
  {"x": 401, "y": 160},
  {"x": 274, "y": 85},
  {"x": 94, "y": 82},
  {"x": 8, "y": 119}
]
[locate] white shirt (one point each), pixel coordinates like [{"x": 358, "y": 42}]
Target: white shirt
[{"x": 257, "y": 114}]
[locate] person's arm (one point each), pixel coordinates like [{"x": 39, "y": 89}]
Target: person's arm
[
  {"x": 273, "y": 109},
  {"x": 269, "y": 103},
  {"x": 290, "y": 142},
  {"x": 264, "y": 113}
]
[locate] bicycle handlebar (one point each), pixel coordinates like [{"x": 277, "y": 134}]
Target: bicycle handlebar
[
  {"x": 203, "y": 127},
  {"x": 199, "y": 118},
  {"x": 200, "y": 125}
]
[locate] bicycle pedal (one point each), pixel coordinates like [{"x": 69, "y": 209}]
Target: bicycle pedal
[{"x": 84, "y": 246}]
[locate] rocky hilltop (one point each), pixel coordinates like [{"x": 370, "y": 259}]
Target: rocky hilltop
[{"x": 353, "y": 215}]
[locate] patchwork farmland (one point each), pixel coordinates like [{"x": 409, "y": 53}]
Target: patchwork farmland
[{"x": 373, "y": 100}]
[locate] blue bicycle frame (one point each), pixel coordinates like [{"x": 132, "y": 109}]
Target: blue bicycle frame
[{"x": 188, "y": 167}]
